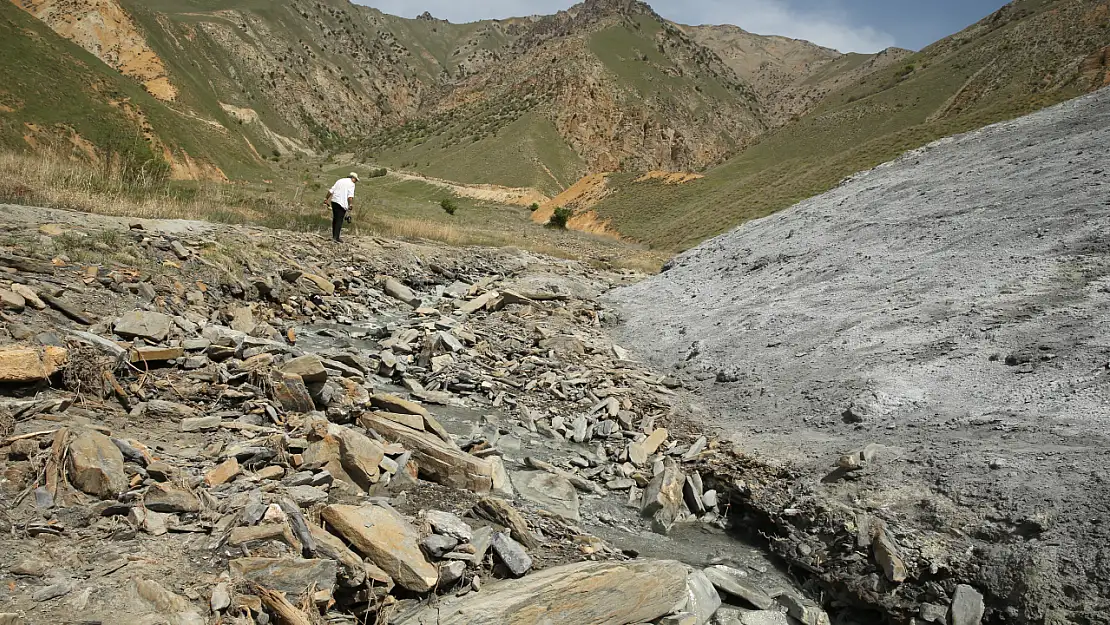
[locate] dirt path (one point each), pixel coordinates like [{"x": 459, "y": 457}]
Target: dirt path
[
  {"x": 949, "y": 308},
  {"x": 524, "y": 196}
]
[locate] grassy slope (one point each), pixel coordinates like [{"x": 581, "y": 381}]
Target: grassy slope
[
  {"x": 48, "y": 81},
  {"x": 873, "y": 121},
  {"x": 519, "y": 154},
  {"x": 52, "y": 82},
  {"x": 843, "y": 65},
  {"x": 620, "y": 48},
  {"x": 198, "y": 69},
  {"x": 434, "y": 45}
]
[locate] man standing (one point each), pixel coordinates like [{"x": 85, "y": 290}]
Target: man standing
[{"x": 341, "y": 195}]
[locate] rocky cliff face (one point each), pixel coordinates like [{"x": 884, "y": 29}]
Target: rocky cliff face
[
  {"x": 626, "y": 91},
  {"x": 791, "y": 76},
  {"x": 622, "y": 87}
]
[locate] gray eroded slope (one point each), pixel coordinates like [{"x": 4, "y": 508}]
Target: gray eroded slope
[{"x": 904, "y": 292}]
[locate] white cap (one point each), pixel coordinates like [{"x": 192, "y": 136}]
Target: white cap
[{"x": 353, "y": 175}]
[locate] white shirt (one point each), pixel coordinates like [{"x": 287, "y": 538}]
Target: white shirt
[{"x": 342, "y": 192}]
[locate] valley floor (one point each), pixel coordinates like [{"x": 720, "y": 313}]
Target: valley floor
[{"x": 205, "y": 423}]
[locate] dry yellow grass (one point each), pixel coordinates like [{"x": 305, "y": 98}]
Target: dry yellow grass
[{"x": 55, "y": 181}]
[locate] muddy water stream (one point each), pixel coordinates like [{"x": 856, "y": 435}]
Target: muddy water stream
[{"x": 610, "y": 517}]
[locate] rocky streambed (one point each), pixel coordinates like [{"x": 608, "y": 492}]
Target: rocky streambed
[{"x": 206, "y": 424}]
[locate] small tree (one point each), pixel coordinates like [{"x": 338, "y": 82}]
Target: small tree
[
  {"x": 560, "y": 218},
  {"x": 448, "y": 206}
]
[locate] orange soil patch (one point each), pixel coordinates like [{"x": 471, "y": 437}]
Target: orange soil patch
[
  {"x": 105, "y": 29},
  {"x": 183, "y": 167},
  {"x": 579, "y": 197},
  {"x": 161, "y": 88},
  {"x": 590, "y": 221},
  {"x": 84, "y": 146}
]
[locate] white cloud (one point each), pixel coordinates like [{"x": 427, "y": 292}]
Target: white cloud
[{"x": 829, "y": 26}]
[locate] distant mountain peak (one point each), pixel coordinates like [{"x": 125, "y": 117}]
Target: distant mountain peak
[{"x": 610, "y": 8}]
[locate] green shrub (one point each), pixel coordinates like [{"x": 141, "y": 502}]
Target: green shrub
[
  {"x": 534, "y": 207},
  {"x": 378, "y": 173},
  {"x": 448, "y": 206},
  {"x": 560, "y": 218}
]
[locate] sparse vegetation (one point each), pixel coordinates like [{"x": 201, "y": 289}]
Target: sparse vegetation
[
  {"x": 560, "y": 217},
  {"x": 448, "y": 205}
]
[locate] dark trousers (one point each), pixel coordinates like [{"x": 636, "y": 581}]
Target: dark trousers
[{"x": 338, "y": 213}]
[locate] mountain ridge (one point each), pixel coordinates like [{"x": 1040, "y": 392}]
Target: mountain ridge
[
  {"x": 604, "y": 86},
  {"x": 1028, "y": 55}
]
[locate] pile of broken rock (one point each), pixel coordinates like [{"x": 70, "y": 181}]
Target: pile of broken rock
[{"x": 244, "y": 453}]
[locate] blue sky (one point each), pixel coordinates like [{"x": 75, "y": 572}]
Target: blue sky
[{"x": 847, "y": 25}]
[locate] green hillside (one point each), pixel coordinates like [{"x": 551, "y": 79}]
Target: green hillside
[
  {"x": 556, "y": 111},
  {"x": 1014, "y": 62},
  {"x": 526, "y": 151},
  {"x": 53, "y": 94}
]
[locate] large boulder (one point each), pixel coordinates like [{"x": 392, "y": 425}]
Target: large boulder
[
  {"x": 359, "y": 455},
  {"x": 310, "y": 368},
  {"x": 290, "y": 391},
  {"x": 967, "y": 606},
  {"x": 388, "y": 540},
  {"x": 736, "y": 583},
  {"x": 396, "y": 290},
  {"x": 439, "y": 461},
  {"x": 702, "y": 599},
  {"x": 662, "y": 499}
]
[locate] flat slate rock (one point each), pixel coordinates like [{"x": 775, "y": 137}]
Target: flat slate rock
[
  {"x": 734, "y": 582},
  {"x": 21, "y": 365},
  {"x": 599, "y": 593},
  {"x": 166, "y": 498},
  {"x": 512, "y": 554},
  {"x": 288, "y": 575},
  {"x": 551, "y": 492},
  {"x": 388, "y": 540},
  {"x": 144, "y": 324}
]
